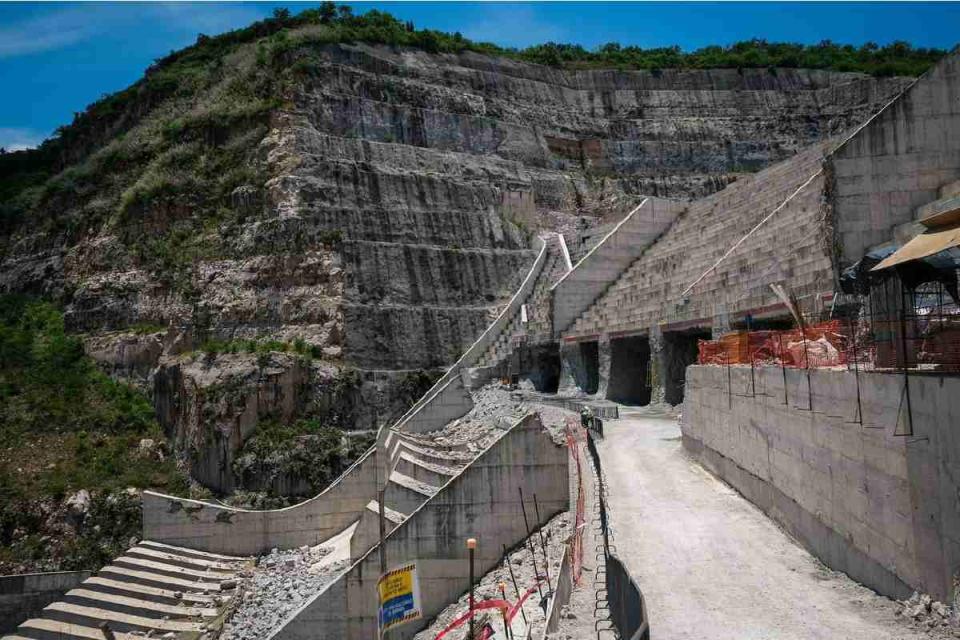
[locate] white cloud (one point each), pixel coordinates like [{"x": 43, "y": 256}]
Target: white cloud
[
  {"x": 65, "y": 27},
  {"x": 514, "y": 26},
  {"x": 46, "y": 32},
  {"x": 17, "y": 138}
]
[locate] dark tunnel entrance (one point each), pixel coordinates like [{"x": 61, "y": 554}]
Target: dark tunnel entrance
[
  {"x": 629, "y": 367},
  {"x": 679, "y": 352},
  {"x": 588, "y": 376},
  {"x": 541, "y": 365}
]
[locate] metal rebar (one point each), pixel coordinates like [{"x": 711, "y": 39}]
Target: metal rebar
[
  {"x": 529, "y": 543},
  {"x": 543, "y": 544},
  {"x": 516, "y": 588},
  {"x": 903, "y": 341}
]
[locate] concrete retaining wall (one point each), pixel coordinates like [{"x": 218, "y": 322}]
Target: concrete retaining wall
[
  {"x": 24, "y": 596},
  {"x": 481, "y": 502},
  {"x": 883, "y": 508},
  {"x": 605, "y": 262},
  {"x": 449, "y": 403},
  {"x": 220, "y": 529},
  {"x": 897, "y": 162}
]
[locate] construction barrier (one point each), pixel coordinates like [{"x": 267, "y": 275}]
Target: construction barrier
[
  {"x": 624, "y": 599},
  {"x": 574, "y": 434},
  {"x": 825, "y": 344}
]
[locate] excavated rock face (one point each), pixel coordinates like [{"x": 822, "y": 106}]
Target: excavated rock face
[{"x": 376, "y": 205}]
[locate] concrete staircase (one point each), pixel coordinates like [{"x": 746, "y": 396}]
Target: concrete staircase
[
  {"x": 948, "y": 199},
  {"x": 539, "y": 325},
  {"x": 636, "y": 296},
  {"x": 420, "y": 468},
  {"x": 153, "y": 589}
]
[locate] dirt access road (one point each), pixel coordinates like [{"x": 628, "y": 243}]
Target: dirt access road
[{"x": 710, "y": 564}]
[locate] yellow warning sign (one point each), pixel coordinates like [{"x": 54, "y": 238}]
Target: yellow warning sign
[{"x": 399, "y": 591}]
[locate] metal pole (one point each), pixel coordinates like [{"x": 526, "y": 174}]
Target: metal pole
[
  {"x": 806, "y": 357},
  {"x": 513, "y": 578},
  {"x": 383, "y": 530},
  {"x": 533, "y": 554},
  {"x": 903, "y": 341},
  {"x": 543, "y": 545},
  {"x": 507, "y": 631},
  {"x": 783, "y": 367},
  {"x": 856, "y": 367},
  {"x": 729, "y": 384},
  {"x": 471, "y": 546}
]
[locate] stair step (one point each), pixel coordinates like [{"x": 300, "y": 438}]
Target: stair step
[
  {"x": 126, "y": 574},
  {"x": 405, "y": 494},
  {"x": 143, "y": 592},
  {"x": 134, "y": 606},
  {"x": 950, "y": 189},
  {"x": 179, "y": 560},
  {"x": 420, "y": 469},
  {"x": 93, "y": 616},
  {"x": 939, "y": 212},
  {"x": 412, "y": 484},
  {"x": 172, "y": 570},
  {"x": 183, "y": 551},
  {"x": 46, "y": 629},
  {"x": 390, "y": 514}
]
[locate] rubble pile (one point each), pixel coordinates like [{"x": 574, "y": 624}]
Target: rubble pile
[
  {"x": 924, "y": 611},
  {"x": 281, "y": 582}
]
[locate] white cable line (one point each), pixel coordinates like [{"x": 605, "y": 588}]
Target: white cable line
[
  {"x": 847, "y": 139},
  {"x": 752, "y": 231}
]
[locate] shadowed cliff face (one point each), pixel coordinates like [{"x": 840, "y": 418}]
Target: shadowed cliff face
[{"x": 376, "y": 205}]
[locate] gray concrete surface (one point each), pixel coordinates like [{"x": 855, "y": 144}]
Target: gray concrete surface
[
  {"x": 221, "y": 529},
  {"x": 23, "y": 596},
  {"x": 481, "y": 502},
  {"x": 154, "y": 589},
  {"x": 604, "y": 263},
  {"x": 876, "y": 505},
  {"x": 710, "y": 564}
]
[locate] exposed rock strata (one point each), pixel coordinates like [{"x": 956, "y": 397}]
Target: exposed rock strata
[{"x": 399, "y": 189}]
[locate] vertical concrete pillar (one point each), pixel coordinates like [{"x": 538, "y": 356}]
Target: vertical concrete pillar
[
  {"x": 603, "y": 357},
  {"x": 569, "y": 361},
  {"x": 579, "y": 367},
  {"x": 658, "y": 366},
  {"x": 721, "y": 323}
]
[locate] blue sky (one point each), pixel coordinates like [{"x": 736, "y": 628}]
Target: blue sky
[{"x": 56, "y": 58}]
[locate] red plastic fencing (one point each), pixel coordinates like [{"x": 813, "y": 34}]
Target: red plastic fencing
[
  {"x": 575, "y": 435},
  {"x": 825, "y": 344}
]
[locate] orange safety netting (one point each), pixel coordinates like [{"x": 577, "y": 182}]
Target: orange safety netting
[{"x": 821, "y": 345}]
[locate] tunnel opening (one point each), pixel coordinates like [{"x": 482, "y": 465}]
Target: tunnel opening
[
  {"x": 629, "y": 370},
  {"x": 588, "y": 373},
  {"x": 543, "y": 367},
  {"x": 679, "y": 352}
]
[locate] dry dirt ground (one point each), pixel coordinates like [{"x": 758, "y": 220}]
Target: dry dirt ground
[{"x": 710, "y": 564}]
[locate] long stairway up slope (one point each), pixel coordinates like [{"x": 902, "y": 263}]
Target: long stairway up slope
[
  {"x": 653, "y": 288},
  {"x": 153, "y": 589},
  {"x": 418, "y": 468},
  {"x": 539, "y": 325}
]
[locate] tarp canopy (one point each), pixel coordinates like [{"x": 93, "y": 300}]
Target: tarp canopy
[{"x": 925, "y": 245}]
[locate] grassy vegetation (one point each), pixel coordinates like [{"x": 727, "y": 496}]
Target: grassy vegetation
[
  {"x": 304, "y": 449},
  {"x": 65, "y": 426},
  {"x": 299, "y": 347}
]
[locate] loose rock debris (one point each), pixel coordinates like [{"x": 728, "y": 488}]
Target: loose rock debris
[{"x": 281, "y": 582}]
